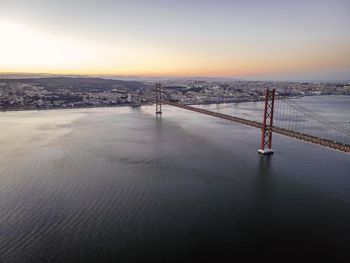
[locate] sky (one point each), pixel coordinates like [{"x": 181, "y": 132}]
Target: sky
[{"x": 246, "y": 39}]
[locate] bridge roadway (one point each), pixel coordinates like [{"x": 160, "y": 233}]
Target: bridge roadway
[{"x": 293, "y": 134}]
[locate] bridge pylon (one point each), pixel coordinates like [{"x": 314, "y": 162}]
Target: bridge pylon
[
  {"x": 158, "y": 99},
  {"x": 266, "y": 131}
]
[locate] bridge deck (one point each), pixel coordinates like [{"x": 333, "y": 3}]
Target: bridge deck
[{"x": 293, "y": 134}]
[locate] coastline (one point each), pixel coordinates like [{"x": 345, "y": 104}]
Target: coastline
[
  {"x": 136, "y": 105},
  {"x": 75, "y": 108}
]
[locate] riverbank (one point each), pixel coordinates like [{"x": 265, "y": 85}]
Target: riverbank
[
  {"x": 150, "y": 103},
  {"x": 75, "y": 108}
]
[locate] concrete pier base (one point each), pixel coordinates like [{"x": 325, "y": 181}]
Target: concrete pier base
[{"x": 265, "y": 151}]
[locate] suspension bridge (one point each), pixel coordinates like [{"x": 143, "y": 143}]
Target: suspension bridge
[{"x": 293, "y": 120}]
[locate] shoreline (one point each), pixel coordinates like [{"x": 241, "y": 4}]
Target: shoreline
[
  {"x": 73, "y": 108},
  {"x": 150, "y": 104}
]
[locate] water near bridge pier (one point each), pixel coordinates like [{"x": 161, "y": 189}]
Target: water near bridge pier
[{"x": 119, "y": 185}]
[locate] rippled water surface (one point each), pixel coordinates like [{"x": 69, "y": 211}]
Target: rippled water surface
[{"x": 119, "y": 185}]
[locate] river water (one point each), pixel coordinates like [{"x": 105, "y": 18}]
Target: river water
[{"x": 119, "y": 185}]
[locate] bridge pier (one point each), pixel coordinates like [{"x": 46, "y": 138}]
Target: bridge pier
[
  {"x": 266, "y": 131},
  {"x": 158, "y": 99}
]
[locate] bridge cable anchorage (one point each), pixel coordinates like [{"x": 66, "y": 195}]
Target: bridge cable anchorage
[
  {"x": 158, "y": 99},
  {"x": 266, "y": 131}
]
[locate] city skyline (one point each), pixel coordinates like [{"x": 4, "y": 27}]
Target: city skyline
[{"x": 289, "y": 40}]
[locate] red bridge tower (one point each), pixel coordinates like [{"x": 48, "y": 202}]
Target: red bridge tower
[{"x": 266, "y": 136}]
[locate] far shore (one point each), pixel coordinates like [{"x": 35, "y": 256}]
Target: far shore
[{"x": 150, "y": 103}]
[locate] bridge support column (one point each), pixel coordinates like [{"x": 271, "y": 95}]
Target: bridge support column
[
  {"x": 266, "y": 136},
  {"x": 158, "y": 99}
]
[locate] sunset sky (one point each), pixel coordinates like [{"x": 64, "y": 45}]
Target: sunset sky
[{"x": 223, "y": 38}]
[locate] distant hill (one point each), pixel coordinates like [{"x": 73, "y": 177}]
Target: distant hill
[{"x": 75, "y": 83}]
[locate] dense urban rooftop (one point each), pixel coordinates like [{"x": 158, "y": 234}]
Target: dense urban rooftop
[{"x": 67, "y": 92}]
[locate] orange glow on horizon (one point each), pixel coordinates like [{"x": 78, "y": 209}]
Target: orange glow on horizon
[{"x": 24, "y": 49}]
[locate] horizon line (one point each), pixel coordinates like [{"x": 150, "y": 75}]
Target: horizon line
[{"x": 253, "y": 78}]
